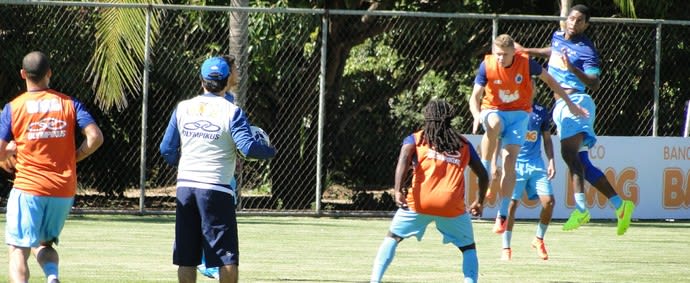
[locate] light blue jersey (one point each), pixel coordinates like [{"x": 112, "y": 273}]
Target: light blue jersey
[
  {"x": 581, "y": 53},
  {"x": 539, "y": 121},
  {"x": 531, "y": 174}
]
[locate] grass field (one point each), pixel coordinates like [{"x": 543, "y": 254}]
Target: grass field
[{"x": 302, "y": 249}]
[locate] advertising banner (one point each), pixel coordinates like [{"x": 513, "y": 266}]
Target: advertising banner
[{"x": 653, "y": 172}]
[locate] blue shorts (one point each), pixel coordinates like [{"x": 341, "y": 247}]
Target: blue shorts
[
  {"x": 205, "y": 221},
  {"x": 32, "y": 220},
  {"x": 531, "y": 177},
  {"x": 457, "y": 230},
  {"x": 569, "y": 125},
  {"x": 514, "y": 125}
]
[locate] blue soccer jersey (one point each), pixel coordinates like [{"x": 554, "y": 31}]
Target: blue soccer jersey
[
  {"x": 539, "y": 121},
  {"x": 581, "y": 53}
]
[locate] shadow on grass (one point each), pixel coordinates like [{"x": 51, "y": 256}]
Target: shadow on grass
[
  {"x": 320, "y": 280},
  {"x": 653, "y": 223},
  {"x": 158, "y": 219}
]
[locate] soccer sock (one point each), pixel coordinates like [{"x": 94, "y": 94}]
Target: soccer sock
[
  {"x": 470, "y": 265},
  {"x": 580, "y": 202},
  {"x": 503, "y": 209},
  {"x": 507, "y": 236},
  {"x": 592, "y": 173},
  {"x": 616, "y": 201},
  {"x": 383, "y": 258},
  {"x": 541, "y": 230},
  {"x": 50, "y": 269}
]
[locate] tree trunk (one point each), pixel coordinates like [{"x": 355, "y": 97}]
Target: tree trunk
[{"x": 239, "y": 35}]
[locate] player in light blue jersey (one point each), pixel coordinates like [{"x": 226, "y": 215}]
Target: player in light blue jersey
[
  {"x": 534, "y": 178},
  {"x": 202, "y": 138},
  {"x": 574, "y": 63}
]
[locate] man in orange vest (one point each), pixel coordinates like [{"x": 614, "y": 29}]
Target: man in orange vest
[
  {"x": 40, "y": 126},
  {"x": 439, "y": 155},
  {"x": 501, "y": 100}
]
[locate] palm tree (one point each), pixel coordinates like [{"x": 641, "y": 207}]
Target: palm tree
[
  {"x": 627, "y": 7},
  {"x": 115, "y": 66},
  {"x": 119, "y": 53},
  {"x": 239, "y": 40}
]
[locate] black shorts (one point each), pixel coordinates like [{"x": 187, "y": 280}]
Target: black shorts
[{"x": 205, "y": 220}]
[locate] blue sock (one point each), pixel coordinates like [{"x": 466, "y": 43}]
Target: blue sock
[
  {"x": 507, "y": 235},
  {"x": 616, "y": 201},
  {"x": 580, "y": 202},
  {"x": 50, "y": 268},
  {"x": 470, "y": 265},
  {"x": 503, "y": 207},
  {"x": 383, "y": 258},
  {"x": 541, "y": 230}
]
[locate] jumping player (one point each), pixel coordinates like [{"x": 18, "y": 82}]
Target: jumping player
[
  {"x": 574, "y": 63},
  {"x": 501, "y": 100}
]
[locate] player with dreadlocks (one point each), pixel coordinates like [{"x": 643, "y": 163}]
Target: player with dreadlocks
[
  {"x": 437, "y": 129},
  {"x": 438, "y": 155}
]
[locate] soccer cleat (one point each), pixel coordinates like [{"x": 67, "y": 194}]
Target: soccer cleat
[
  {"x": 624, "y": 215},
  {"x": 576, "y": 219},
  {"x": 506, "y": 254},
  {"x": 541, "y": 248},
  {"x": 500, "y": 225}
]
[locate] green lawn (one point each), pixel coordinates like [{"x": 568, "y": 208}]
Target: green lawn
[{"x": 302, "y": 249}]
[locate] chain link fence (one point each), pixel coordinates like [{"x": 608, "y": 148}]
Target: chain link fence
[{"x": 359, "y": 98}]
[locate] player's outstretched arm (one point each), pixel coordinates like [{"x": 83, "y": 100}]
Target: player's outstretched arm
[
  {"x": 170, "y": 145},
  {"x": 241, "y": 134},
  {"x": 93, "y": 140},
  {"x": 548, "y": 150},
  {"x": 407, "y": 151},
  {"x": 8, "y": 150},
  {"x": 475, "y": 106},
  {"x": 544, "y": 52},
  {"x": 558, "y": 92},
  {"x": 483, "y": 182},
  {"x": 590, "y": 80}
]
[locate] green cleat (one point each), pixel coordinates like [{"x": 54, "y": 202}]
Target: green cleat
[
  {"x": 576, "y": 219},
  {"x": 624, "y": 214}
]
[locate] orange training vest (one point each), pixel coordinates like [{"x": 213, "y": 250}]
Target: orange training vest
[
  {"x": 43, "y": 126},
  {"x": 509, "y": 88},
  {"x": 438, "y": 183}
]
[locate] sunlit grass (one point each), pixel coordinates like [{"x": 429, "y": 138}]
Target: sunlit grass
[{"x": 304, "y": 249}]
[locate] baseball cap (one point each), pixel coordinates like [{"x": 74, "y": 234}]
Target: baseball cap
[{"x": 215, "y": 69}]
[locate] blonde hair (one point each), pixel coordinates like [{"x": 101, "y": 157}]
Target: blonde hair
[{"x": 504, "y": 41}]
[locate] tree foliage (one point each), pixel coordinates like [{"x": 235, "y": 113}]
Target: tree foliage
[
  {"x": 116, "y": 63},
  {"x": 381, "y": 71}
]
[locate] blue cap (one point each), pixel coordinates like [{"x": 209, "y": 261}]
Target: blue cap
[{"x": 215, "y": 69}]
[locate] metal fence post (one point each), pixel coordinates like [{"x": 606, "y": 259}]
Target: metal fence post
[
  {"x": 657, "y": 79},
  {"x": 322, "y": 111},
  {"x": 144, "y": 112}
]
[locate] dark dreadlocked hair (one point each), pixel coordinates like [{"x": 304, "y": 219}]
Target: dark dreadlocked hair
[{"x": 437, "y": 130}]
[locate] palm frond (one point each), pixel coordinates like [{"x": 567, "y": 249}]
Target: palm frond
[
  {"x": 116, "y": 65},
  {"x": 627, "y": 7}
]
